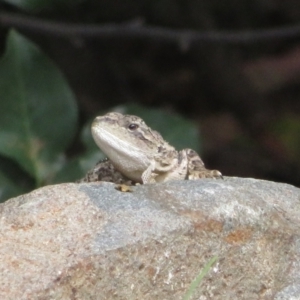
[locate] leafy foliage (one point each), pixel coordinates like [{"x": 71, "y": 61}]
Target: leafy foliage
[
  {"x": 38, "y": 121},
  {"x": 38, "y": 113}
]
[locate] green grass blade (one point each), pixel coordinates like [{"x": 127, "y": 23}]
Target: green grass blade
[{"x": 199, "y": 278}]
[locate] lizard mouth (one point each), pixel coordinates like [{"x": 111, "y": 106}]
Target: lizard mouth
[
  {"x": 107, "y": 141},
  {"x": 120, "y": 151}
]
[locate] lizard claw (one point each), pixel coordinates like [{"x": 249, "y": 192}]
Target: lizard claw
[{"x": 215, "y": 174}]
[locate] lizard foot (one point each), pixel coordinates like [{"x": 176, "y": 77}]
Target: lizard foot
[{"x": 215, "y": 174}]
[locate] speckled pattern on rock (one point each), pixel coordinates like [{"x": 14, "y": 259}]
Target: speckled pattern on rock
[{"x": 90, "y": 241}]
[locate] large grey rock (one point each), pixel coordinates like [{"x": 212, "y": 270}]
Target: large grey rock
[{"x": 90, "y": 241}]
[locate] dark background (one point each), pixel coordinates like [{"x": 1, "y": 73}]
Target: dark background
[{"x": 233, "y": 67}]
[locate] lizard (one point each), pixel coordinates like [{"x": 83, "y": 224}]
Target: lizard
[{"x": 138, "y": 154}]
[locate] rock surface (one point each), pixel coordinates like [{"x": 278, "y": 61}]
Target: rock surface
[{"x": 91, "y": 241}]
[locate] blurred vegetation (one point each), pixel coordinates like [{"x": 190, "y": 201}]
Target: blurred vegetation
[
  {"x": 38, "y": 120},
  {"x": 232, "y": 68}
]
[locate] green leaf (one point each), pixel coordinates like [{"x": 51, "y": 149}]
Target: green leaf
[
  {"x": 179, "y": 132},
  {"x": 38, "y": 113},
  {"x": 78, "y": 167},
  {"x": 87, "y": 139}
]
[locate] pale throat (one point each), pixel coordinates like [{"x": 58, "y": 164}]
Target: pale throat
[{"x": 121, "y": 151}]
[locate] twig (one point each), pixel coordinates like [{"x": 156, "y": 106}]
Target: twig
[{"x": 128, "y": 30}]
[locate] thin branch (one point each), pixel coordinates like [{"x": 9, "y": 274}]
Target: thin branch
[{"x": 134, "y": 30}]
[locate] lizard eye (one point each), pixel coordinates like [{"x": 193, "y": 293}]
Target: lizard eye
[{"x": 133, "y": 126}]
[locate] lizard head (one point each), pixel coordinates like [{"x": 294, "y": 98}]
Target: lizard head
[{"x": 126, "y": 135}]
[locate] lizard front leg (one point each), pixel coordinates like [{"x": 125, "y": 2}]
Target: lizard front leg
[
  {"x": 148, "y": 175},
  {"x": 162, "y": 170},
  {"x": 196, "y": 168},
  {"x": 177, "y": 170}
]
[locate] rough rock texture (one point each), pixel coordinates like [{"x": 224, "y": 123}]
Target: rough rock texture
[{"x": 91, "y": 241}]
